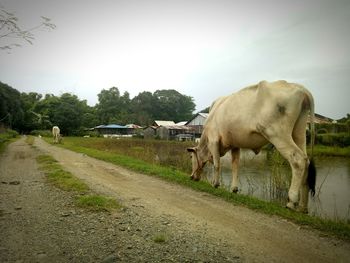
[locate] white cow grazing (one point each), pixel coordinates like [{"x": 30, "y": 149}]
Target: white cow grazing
[
  {"x": 56, "y": 134},
  {"x": 275, "y": 112}
]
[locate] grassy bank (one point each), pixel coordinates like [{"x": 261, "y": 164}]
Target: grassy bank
[
  {"x": 322, "y": 150},
  {"x": 106, "y": 150}
]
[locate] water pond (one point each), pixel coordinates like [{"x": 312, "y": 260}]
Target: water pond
[{"x": 269, "y": 179}]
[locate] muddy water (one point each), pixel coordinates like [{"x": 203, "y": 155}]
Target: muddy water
[{"x": 271, "y": 182}]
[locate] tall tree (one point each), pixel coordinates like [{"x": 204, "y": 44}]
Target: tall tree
[
  {"x": 69, "y": 114},
  {"x": 11, "y": 110},
  {"x": 143, "y": 108},
  {"x": 113, "y": 108},
  {"x": 89, "y": 118},
  {"x": 32, "y": 120},
  {"x": 45, "y": 110},
  {"x": 173, "y": 105}
]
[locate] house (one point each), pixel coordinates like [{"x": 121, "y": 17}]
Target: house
[
  {"x": 114, "y": 130},
  {"x": 197, "y": 123},
  {"x": 163, "y": 123},
  {"x": 175, "y": 132},
  {"x": 321, "y": 119},
  {"x": 181, "y": 123},
  {"x": 149, "y": 132},
  {"x": 133, "y": 126}
]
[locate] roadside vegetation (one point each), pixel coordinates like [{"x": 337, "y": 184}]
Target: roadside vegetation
[
  {"x": 66, "y": 181},
  {"x": 7, "y": 137},
  {"x": 323, "y": 150},
  {"x": 119, "y": 152},
  {"x": 30, "y": 140}
]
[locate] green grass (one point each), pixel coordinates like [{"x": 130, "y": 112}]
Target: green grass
[
  {"x": 66, "y": 181},
  {"x": 3, "y": 145},
  {"x": 321, "y": 150},
  {"x": 6, "y": 138},
  {"x": 30, "y": 140},
  {"x": 160, "y": 238},
  {"x": 59, "y": 177},
  {"x": 97, "y": 203},
  {"x": 339, "y": 229}
]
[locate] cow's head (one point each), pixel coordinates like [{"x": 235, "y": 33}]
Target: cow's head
[{"x": 197, "y": 164}]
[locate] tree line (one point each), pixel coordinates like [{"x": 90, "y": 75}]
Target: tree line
[{"x": 25, "y": 112}]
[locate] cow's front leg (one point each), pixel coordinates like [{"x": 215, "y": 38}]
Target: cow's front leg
[
  {"x": 217, "y": 166},
  {"x": 217, "y": 172},
  {"x": 235, "y": 163}
]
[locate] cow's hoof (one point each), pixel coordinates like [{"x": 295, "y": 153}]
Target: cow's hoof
[
  {"x": 234, "y": 189},
  {"x": 302, "y": 210},
  {"x": 290, "y": 205},
  {"x": 216, "y": 185},
  {"x": 194, "y": 178}
]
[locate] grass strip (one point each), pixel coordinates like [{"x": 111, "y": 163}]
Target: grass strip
[
  {"x": 339, "y": 229},
  {"x": 322, "y": 150},
  {"x": 97, "y": 203},
  {"x": 59, "y": 177},
  {"x": 29, "y": 140},
  {"x": 66, "y": 181},
  {"x": 4, "y": 142}
]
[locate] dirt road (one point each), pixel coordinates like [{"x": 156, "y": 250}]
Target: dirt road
[{"x": 40, "y": 223}]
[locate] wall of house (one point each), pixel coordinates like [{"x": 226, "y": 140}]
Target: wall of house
[
  {"x": 149, "y": 133},
  {"x": 199, "y": 120}
]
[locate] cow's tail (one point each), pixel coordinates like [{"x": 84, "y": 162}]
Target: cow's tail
[{"x": 311, "y": 176}]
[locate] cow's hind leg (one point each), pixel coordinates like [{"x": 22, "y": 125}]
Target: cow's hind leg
[
  {"x": 298, "y": 161},
  {"x": 235, "y": 163},
  {"x": 299, "y": 138}
]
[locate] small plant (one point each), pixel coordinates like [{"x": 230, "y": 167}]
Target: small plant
[
  {"x": 30, "y": 140},
  {"x": 160, "y": 238},
  {"x": 97, "y": 203}
]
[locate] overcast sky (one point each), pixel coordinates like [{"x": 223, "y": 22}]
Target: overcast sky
[{"x": 204, "y": 49}]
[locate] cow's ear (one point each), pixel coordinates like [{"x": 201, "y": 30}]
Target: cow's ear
[{"x": 191, "y": 150}]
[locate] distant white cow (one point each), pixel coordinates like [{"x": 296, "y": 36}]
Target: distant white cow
[
  {"x": 275, "y": 112},
  {"x": 56, "y": 134}
]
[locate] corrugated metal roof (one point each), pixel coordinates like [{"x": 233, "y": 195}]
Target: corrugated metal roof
[
  {"x": 182, "y": 123},
  {"x": 111, "y": 126},
  {"x": 164, "y": 123},
  {"x": 133, "y": 126},
  {"x": 178, "y": 127},
  {"x": 203, "y": 114}
]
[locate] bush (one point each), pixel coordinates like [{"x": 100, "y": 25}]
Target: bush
[
  {"x": 5, "y": 137},
  {"x": 8, "y": 134},
  {"x": 334, "y": 139},
  {"x": 322, "y": 131},
  {"x": 333, "y": 127},
  {"x": 92, "y": 134},
  {"x": 11, "y": 134},
  {"x": 44, "y": 133}
]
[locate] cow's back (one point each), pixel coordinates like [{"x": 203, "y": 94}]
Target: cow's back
[
  {"x": 233, "y": 119},
  {"x": 55, "y": 130}
]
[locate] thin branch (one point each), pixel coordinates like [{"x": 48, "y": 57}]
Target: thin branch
[{"x": 9, "y": 24}]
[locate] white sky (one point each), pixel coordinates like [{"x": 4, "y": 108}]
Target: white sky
[{"x": 204, "y": 49}]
